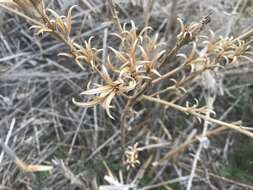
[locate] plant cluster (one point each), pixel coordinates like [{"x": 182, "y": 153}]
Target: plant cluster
[{"x": 139, "y": 68}]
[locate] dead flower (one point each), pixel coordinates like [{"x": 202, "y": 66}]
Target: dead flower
[
  {"x": 132, "y": 156},
  {"x": 59, "y": 24},
  {"x": 190, "y": 32},
  {"x": 104, "y": 94},
  {"x": 80, "y": 54}
]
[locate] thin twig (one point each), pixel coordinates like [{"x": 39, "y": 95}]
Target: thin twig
[
  {"x": 240, "y": 129},
  {"x": 114, "y": 13}
]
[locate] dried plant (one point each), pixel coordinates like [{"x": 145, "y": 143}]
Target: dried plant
[
  {"x": 21, "y": 164},
  {"x": 132, "y": 156},
  {"x": 133, "y": 70}
]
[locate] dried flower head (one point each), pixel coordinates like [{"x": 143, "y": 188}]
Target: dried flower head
[
  {"x": 132, "y": 156},
  {"x": 190, "y": 32},
  {"x": 58, "y": 23},
  {"x": 86, "y": 54},
  {"x": 227, "y": 48},
  {"x": 139, "y": 53},
  {"x": 104, "y": 94},
  {"x": 60, "y": 27}
]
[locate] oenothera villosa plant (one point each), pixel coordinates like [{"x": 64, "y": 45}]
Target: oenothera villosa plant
[{"x": 134, "y": 68}]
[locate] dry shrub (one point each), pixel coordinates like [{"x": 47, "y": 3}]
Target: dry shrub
[{"x": 143, "y": 68}]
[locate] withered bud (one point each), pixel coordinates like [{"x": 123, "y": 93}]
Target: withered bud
[{"x": 190, "y": 32}]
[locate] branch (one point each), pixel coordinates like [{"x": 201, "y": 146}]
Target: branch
[{"x": 240, "y": 129}]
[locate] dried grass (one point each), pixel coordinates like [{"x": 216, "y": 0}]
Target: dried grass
[{"x": 159, "y": 80}]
